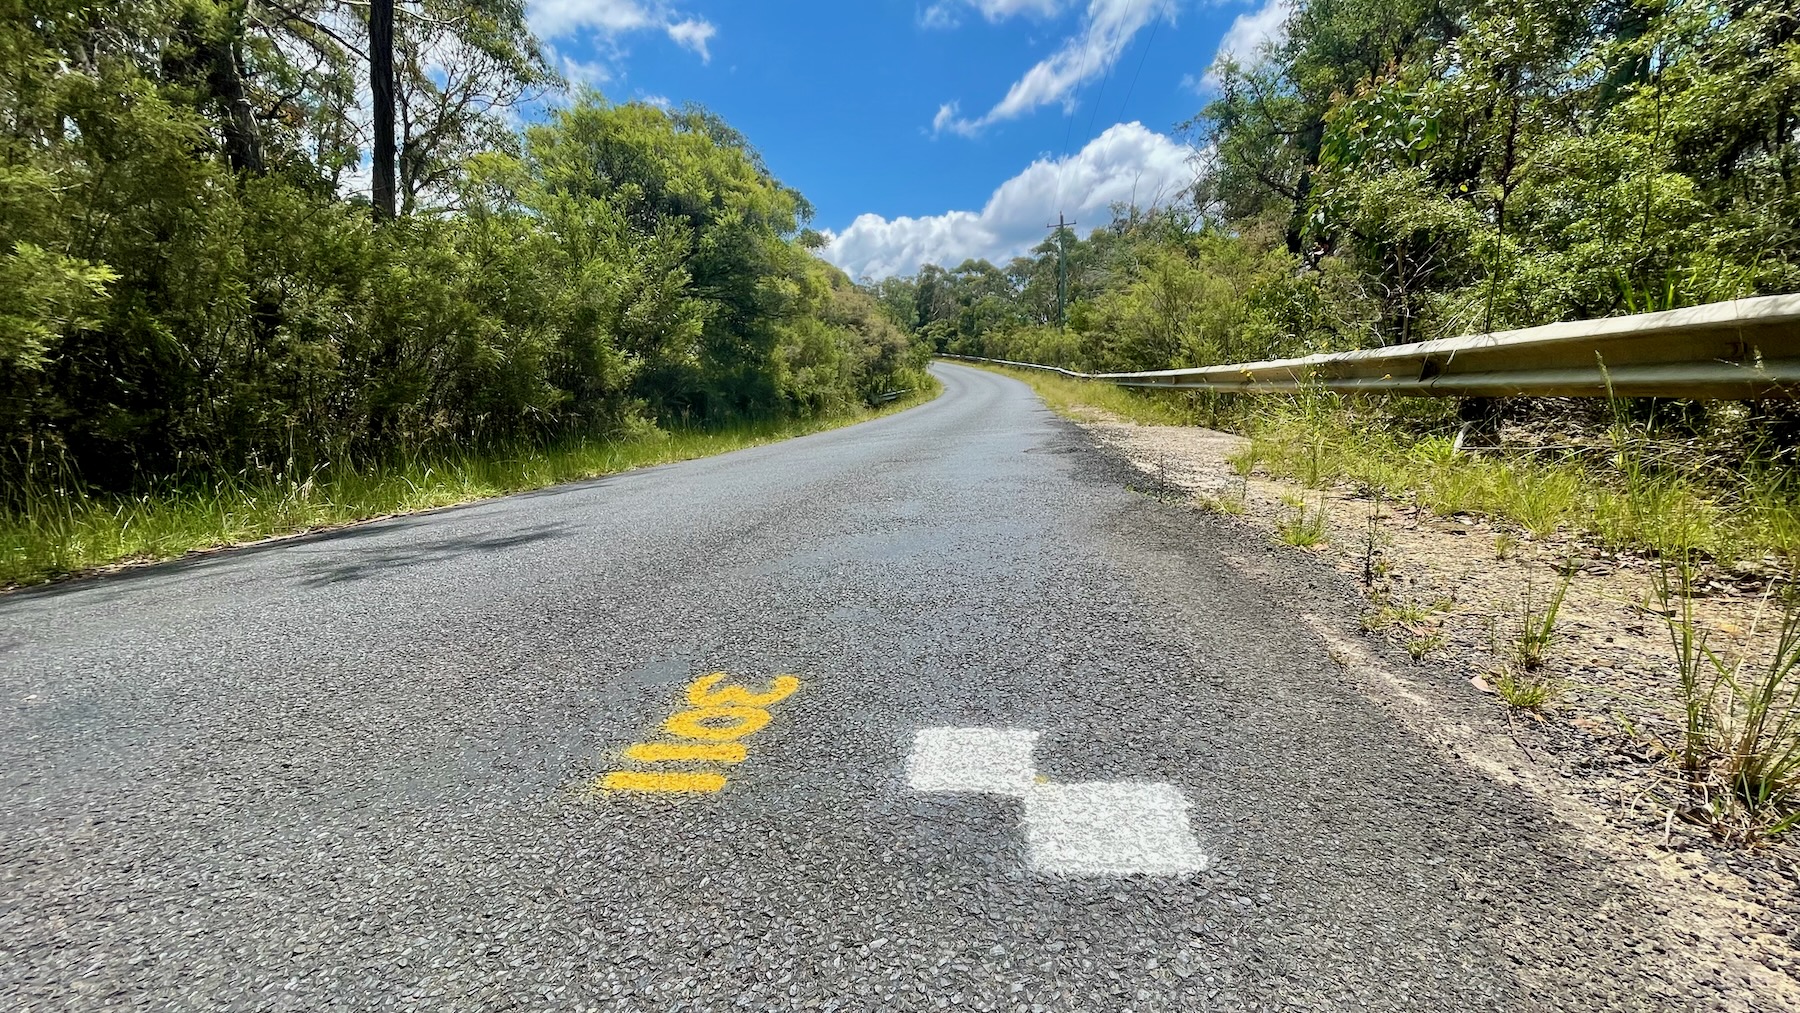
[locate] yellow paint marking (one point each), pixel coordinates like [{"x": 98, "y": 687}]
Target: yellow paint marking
[
  {"x": 721, "y": 713},
  {"x": 700, "y": 692},
  {"x": 665, "y": 783},
  {"x": 692, "y": 724},
  {"x": 711, "y": 752}
]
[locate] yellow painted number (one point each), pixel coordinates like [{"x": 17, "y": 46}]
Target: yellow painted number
[
  {"x": 669, "y": 752},
  {"x": 702, "y": 694},
  {"x": 657, "y": 783},
  {"x": 698, "y": 723},
  {"x": 720, "y": 713}
]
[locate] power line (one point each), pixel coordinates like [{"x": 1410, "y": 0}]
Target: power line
[
  {"x": 1062, "y": 167},
  {"x": 1095, "y": 114},
  {"x": 1145, "y": 58}
]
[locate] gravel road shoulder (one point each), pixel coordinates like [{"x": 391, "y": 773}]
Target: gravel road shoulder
[{"x": 1738, "y": 909}]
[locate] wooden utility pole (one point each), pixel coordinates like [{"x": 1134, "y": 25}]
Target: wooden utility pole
[
  {"x": 381, "y": 88},
  {"x": 1062, "y": 269}
]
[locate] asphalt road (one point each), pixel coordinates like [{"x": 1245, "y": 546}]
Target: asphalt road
[{"x": 358, "y": 771}]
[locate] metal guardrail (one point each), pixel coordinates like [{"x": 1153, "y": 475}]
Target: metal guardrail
[{"x": 1746, "y": 348}]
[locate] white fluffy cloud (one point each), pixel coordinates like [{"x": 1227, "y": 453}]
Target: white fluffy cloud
[
  {"x": 694, "y": 34},
  {"x": 1129, "y": 163},
  {"x": 943, "y": 13},
  {"x": 604, "y": 23},
  {"x": 1248, "y": 33},
  {"x": 555, "y": 18},
  {"x": 1108, "y": 27},
  {"x": 583, "y": 72}
]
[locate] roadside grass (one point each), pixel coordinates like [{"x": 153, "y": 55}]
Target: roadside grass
[
  {"x": 1536, "y": 634},
  {"x": 1301, "y": 527},
  {"x": 1731, "y": 740},
  {"x": 1228, "y": 503},
  {"x": 1521, "y": 679},
  {"x": 1616, "y": 500},
  {"x": 1527, "y": 691},
  {"x": 58, "y": 530},
  {"x": 1066, "y": 397},
  {"x": 1738, "y": 747},
  {"x": 1631, "y": 495},
  {"x": 1421, "y": 646}
]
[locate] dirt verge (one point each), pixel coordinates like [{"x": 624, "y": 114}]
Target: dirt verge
[{"x": 1451, "y": 591}]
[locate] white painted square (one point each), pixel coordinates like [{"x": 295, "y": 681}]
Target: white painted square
[
  {"x": 994, "y": 761},
  {"x": 1110, "y": 828}
]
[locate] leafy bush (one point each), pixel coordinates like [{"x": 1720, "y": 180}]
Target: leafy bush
[{"x": 186, "y": 294}]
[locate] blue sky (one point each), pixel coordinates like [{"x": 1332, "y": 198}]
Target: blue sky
[{"x": 928, "y": 130}]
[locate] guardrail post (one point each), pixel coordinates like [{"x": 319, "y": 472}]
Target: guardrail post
[{"x": 1480, "y": 424}]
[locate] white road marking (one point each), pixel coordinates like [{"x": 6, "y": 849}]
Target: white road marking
[
  {"x": 990, "y": 761},
  {"x": 1110, "y": 828},
  {"x": 1090, "y": 828}
]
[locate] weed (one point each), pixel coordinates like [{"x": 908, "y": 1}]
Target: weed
[
  {"x": 1243, "y": 462},
  {"x": 1167, "y": 489},
  {"x": 1371, "y": 545},
  {"x": 1314, "y": 471},
  {"x": 1526, "y": 690},
  {"x": 1537, "y": 629},
  {"x": 1376, "y": 620},
  {"x": 1415, "y": 611},
  {"x": 1421, "y": 646},
  {"x": 1302, "y": 528},
  {"x": 1161, "y": 486},
  {"x": 1413, "y": 614},
  {"x": 1222, "y": 503},
  {"x": 1739, "y": 750},
  {"x": 1504, "y": 544}
]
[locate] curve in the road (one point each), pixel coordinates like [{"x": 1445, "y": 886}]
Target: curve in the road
[{"x": 359, "y": 771}]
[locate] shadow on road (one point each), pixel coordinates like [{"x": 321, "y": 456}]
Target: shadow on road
[{"x": 362, "y": 564}]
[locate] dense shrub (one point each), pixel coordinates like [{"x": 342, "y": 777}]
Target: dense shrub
[{"x": 186, "y": 289}]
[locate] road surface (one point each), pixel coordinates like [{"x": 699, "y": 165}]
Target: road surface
[{"x": 1050, "y": 745}]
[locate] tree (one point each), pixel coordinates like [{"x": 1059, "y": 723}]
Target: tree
[
  {"x": 381, "y": 97},
  {"x": 461, "y": 66}
]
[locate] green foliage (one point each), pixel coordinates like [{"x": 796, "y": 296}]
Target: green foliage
[
  {"x": 1399, "y": 171},
  {"x": 1526, "y": 690},
  {"x": 187, "y": 294},
  {"x": 1301, "y": 527},
  {"x": 1537, "y": 627},
  {"x": 42, "y": 294}
]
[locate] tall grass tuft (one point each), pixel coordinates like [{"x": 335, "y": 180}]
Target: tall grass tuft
[
  {"x": 1739, "y": 752},
  {"x": 1537, "y": 627},
  {"x": 1303, "y": 528}
]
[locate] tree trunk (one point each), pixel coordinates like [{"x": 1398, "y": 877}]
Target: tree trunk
[
  {"x": 237, "y": 119},
  {"x": 211, "y": 61},
  {"x": 381, "y": 88}
]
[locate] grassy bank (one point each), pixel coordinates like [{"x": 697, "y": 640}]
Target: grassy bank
[
  {"x": 1626, "y": 488},
  {"x": 52, "y": 533}
]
